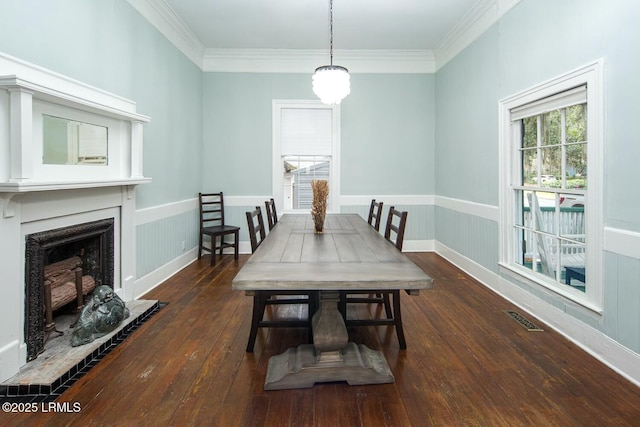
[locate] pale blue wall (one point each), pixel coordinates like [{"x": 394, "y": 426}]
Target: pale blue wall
[
  {"x": 467, "y": 129},
  {"x": 237, "y": 128},
  {"x": 388, "y": 134},
  {"x": 387, "y": 139},
  {"x": 534, "y": 42},
  {"x": 466, "y": 151},
  {"x": 386, "y": 143}
]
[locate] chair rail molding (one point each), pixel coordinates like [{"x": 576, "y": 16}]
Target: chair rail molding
[{"x": 622, "y": 242}]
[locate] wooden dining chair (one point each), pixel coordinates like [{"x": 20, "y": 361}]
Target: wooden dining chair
[
  {"x": 262, "y": 299},
  {"x": 257, "y": 232},
  {"x": 272, "y": 216},
  {"x": 375, "y": 214},
  {"x": 212, "y": 224},
  {"x": 394, "y": 233}
]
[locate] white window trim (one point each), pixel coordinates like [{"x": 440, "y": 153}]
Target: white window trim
[
  {"x": 592, "y": 76},
  {"x": 277, "y": 177}
]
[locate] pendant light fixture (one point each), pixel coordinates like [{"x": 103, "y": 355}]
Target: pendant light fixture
[{"x": 331, "y": 82}]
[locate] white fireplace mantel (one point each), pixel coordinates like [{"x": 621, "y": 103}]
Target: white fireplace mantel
[{"x": 27, "y": 92}]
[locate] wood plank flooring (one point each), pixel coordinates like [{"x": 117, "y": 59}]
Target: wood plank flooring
[{"x": 467, "y": 363}]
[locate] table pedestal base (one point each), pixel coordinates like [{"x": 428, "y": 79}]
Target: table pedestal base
[
  {"x": 301, "y": 367},
  {"x": 330, "y": 358}
]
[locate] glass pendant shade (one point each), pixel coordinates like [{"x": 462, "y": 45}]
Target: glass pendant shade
[{"x": 331, "y": 83}]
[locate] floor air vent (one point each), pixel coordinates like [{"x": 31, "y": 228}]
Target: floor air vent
[{"x": 523, "y": 321}]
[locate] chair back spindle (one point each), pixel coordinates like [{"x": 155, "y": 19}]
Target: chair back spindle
[
  {"x": 396, "y": 222},
  {"x": 211, "y": 209},
  {"x": 375, "y": 214},
  {"x": 272, "y": 216},
  {"x": 256, "y": 228}
]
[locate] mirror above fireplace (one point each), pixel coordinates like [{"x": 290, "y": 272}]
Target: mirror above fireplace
[{"x": 70, "y": 142}]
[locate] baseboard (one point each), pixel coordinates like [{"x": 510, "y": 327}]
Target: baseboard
[
  {"x": 158, "y": 276},
  {"x": 10, "y": 360},
  {"x": 417, "y": 246}
]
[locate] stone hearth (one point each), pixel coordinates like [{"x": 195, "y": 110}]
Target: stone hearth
[{"x": 60, "y": 365}]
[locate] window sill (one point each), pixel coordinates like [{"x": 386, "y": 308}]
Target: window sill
[{"x": 525, "y": 276}]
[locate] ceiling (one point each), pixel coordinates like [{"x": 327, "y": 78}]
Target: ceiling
[
  {"x": 293, "y": 35},
  {"x": 304, "y": 24}
]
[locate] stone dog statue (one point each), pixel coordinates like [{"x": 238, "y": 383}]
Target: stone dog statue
[{"x": 101, "y": 314}]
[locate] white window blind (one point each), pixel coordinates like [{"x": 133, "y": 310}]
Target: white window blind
[
  {"x": 306, "y": 131},
  {"x": 577, "y": 95}
]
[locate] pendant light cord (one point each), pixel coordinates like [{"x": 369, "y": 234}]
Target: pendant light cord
[{"x": 331, "y": 30}]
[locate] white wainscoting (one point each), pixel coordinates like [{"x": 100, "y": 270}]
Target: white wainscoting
[{"x": 158, "y": 213}]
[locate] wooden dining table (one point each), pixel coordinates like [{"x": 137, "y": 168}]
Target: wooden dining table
[{"x": 348, "y": 255}]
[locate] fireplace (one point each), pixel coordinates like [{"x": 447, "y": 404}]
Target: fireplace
[
  {"x": 48, "y": 209},
  {"x": 93, "y": 242}
]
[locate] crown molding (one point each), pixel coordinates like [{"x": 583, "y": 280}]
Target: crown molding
[
  {"x": 307, "y": 60},
  {"x": 159, "y": 14},
  {"x": 480, "y": 17},
  {"x": 484, "y": 14}
]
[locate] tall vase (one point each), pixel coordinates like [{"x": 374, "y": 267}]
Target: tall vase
[{"x": 319, "y": 206}]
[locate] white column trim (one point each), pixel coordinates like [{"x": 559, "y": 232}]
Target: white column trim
[{"x": 21, "y": 141}]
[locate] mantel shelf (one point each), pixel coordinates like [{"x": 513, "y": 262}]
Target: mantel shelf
[{"x": 31, "y": 186}]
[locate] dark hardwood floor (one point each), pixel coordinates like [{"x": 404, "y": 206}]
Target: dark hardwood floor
[{"x": 467, "y": 363}]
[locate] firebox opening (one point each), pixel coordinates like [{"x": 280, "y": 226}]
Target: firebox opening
[
  {"x": 92, "y": 244},
  {"x": 88, "y": 250}
]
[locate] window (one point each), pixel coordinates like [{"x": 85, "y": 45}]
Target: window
[
  {"x": 551, "y": 185},
  {"x": 305, "y": 147},
  {"x": 550, "y": 194}
]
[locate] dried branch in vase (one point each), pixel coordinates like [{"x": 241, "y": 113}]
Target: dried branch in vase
[{"x": 320, "y": 189}]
